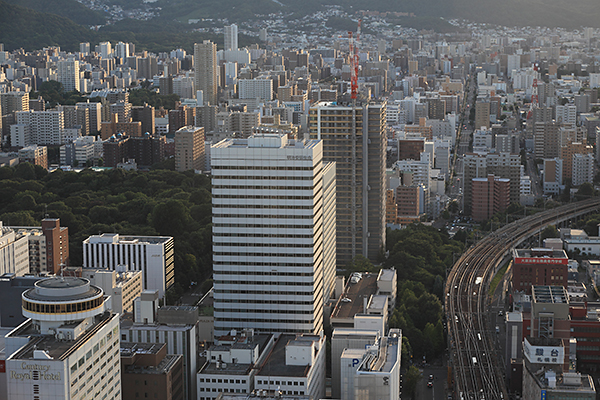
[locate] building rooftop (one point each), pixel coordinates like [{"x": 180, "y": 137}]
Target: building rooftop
[
  {"x": 549, "y": 294},
  {"x": 355, "y": 292},
  {"x": 275, "y": 365},
  {"x": 115, "y": 238},
  {"x": 539, "y": 253},
  {"x": 262, "y": 395},
  {"x": 55, "y": 348},
  {"x": 235, "y": 368},
  {"x": 514, "y": 317},
  {"x": 67, "y": 289},
  {"x": 179, "y": 308},
  {"x": 388, "y": 353},
  {"x": 130, "y": 350},
  {"x": 352, "y": 333},
  {"x": 387, "y": 274}
]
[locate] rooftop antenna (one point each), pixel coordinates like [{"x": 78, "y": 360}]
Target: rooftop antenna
[{"x": 62, "y": 267}]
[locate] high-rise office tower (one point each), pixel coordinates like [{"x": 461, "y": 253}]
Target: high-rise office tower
[
  {"x": 68, "y": 74},
  {"x": 482, "y": 114},
  {"x": 355, "y": 138},
  {"x": 95, "y": 115},
  {"x": 205, "y": 65},
  {"x": 122, "y": 50},
  {"x": 274, "y": 239},
  {"x": 84, "y": 48},
  {"x": 189, "y": 148},
  {"x": 105, "y": 49},
  {"x": 546, "y": 140},
  {"x": 231, "y": 37}
]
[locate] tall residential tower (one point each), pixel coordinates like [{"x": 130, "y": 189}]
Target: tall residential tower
[
  {"x": 205, "y": 64},
  {"x": 355, "y": 138},
  {"x": 231, "y": 37}
]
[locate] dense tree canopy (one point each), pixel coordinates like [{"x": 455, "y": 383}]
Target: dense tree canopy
[
  {"x": 158, "y": 202},
  {"x": 421, "y": 255}
]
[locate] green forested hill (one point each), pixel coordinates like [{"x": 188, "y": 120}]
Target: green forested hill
[
  {"x": 71, "y": 9},
  {"x": 571, "y": 14},
  {"x": 29, "y": 29}
]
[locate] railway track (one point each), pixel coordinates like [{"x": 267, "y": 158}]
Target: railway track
[{"x": 476, "y": 366}]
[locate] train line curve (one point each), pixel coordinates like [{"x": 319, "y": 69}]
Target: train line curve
[{"x": 477, "y": 372}]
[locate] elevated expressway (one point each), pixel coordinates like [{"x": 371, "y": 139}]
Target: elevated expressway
[{"x": 477, "y": 371}]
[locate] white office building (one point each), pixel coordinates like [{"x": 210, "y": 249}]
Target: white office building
[
  {"x": 231, "y": 37},
  {"x": 79, "y": 152},
  {"x": 123, "y": 287},
  {"x": 68, "y": 74},
  {"x": 341, "y": 340},
  {"x": 583, "y": 169},
  {"x": 122, "y": 50},
  {"x": 296, "y": 366},
  {"x": 45, "y": 127},
  {"x": 183, "y": 86},
  {"x": 105, "y": 49},
  {"x": 421, "y": 169},
  {"x": 230, "y": 364},
  {"x": 14, "y": 251},
  {"x": 256, "y": 89},
  {"x": 373, "y": 372},
  {"x": 567, "y": 114},
  {"x": 274, "y": 240},
  {"x": 442, "y": 156},
  {"x": 153, "y": 255},
  {"x": 68, "y": 348},
  {"x": 20, "y": 135}
]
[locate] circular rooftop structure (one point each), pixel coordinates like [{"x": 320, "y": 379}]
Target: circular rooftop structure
[
  {"x": 63, "y": 288},
  {"x": 62, "y": 298}
]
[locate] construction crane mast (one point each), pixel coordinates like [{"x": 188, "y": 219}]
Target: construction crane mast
[
  {"x": 354, "y": 61},
  {"x": 535, "y": 102}
]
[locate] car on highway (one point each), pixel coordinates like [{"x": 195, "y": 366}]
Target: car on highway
[{"x": 430, "y": 381}]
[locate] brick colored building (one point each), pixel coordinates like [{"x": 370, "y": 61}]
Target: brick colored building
[
  {"x": 408, "y": 200},
  {"x": 422, "y": 129},
  {"x": 115, "y": 127},
  {"x": 554, "y": 316},
  {"x": 115, "y": 150},
  {"x": 57, "y": 244},
  {"x": 539, "y": 267},
  {"x": 490, "y": 195},
  {"x": 410, "y": 149},
  {"x": 147, "y": 371},
  {"x": 182, "y": 116},
  {"x": 145, "y": 150}
]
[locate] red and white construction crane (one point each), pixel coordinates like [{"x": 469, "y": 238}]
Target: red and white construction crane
[
  {"x": 354, "y": 61},
  {"x": 535, "y": 101}
]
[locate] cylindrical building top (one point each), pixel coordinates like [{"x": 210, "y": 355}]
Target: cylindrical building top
[
  {"x": 60, "y": 288},
  {"x": 63, "y": 299}
]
